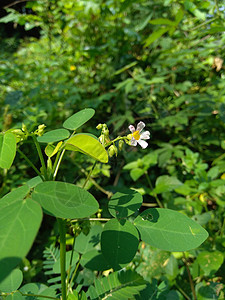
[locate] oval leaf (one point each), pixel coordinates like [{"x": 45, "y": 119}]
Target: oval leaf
[
  {"x": 169, "y": 230},
  {"x": 7, "y": 150},
  {"x": 12, "y": 282},
  {"x": 37, "y": 289},
  {"x": 19, "y": 223},
  {"x": 79, "y": 118},
  {"x": 124, "y": 203},
  {"x": 119, "y": 243},
  {"x": 65, "y": 200},
  {"x": 166, "y": 183},
  {"x": 88, "y": 145},
  {"x": 94, "y": 260},
  {"x": 87, "y": 242},
  {"x": 54, "y": 136}
]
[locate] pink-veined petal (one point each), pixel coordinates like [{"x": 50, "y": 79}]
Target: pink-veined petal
[
  {"x": 145, "y": 135},
  {"x": 133, "y": 142},
  {"x": 132, "y": 128},
  {"x": 142, "y": 143},
  {"x": 140, "y": 126}
]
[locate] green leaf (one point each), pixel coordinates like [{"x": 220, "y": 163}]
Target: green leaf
[
  {"x": 37, "y": 289},
  {"x": 124, "y": 203},
  {"x": 136, "y": 173},
  {"x": 88, "y": 145},
  {"x": 85, "y": 243},
  {"x": 119, "y": 243},
  {"x": 155, "y": 35},
  {"x": 51, "y": 150},
  {"x": 166, "y": 183},
  {"x": 65, "y": 200},
  {"x": 19, "y": 222},
  {"x": 7, "y": 150},
  {"x": 169, "y": 230},
  {"x": 121, "y": 285},
  {"x": 12, "y": 282},
  {"x": 126, "y": 68},
  {"x": 34, "y": 181},
  {"x": 79, "y": 118},
  {"x": 15, "y": 296},
  {"x": 54, "y": 136},
  {"x": 210, "y": 262},
  {"x": 162, "y": 21},
  {"x": 94, "y": 260}
]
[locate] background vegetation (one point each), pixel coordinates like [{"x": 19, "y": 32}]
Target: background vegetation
[{"x": 161, "y": 62}]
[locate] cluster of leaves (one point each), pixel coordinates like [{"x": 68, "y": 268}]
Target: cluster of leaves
[{"x": 161, "y": 62}]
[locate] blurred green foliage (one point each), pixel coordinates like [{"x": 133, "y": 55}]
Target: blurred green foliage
[{"x": 161, "y": 62}]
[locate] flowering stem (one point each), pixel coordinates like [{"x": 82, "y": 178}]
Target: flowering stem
[{"x": 116, "y": 139}]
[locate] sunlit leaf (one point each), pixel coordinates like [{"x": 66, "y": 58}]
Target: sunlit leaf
[
  {"x": 169, "y": 230},
  {"x": 79, "y": 118},
  {"x": 65, "y": 200},
  {"x": 12, "y": 282},
  {"x": 124, "y": 203},
  {"x": 54, "y": 136},
  {"x": 88, "y": 145},
  {"x": 7, "y": 150}
]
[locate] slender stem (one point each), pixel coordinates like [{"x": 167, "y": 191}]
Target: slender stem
[
  {"x": 151, "y": 187},
  {"x": 71, "y": 259},
  {"x": 74, "y": 273},
  {"x": 30, "y": 163},
  {"x": 149, "y": 204},
  {"x": 109, "y": 194},
  {"x": 116, "y": 139},
  {"x": 190, "y": 278},
  {"x": 33, "y": 295},
  {"x": 62, "y": 232},
  {"x": 89, "y": 175},
  {"x": 222, "y": 228},
  {"x": 57, "y": 163},
  {"x": 40, "y": 156},
  {"x": 203, "y": 24},
  {"x": 92, "y": 219},
  {"x": 182, "y": 292}
]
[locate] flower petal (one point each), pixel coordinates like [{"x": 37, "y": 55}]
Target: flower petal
[
  {"x": 145, "y": 135},
  {"x": 142, "y": 143},
  {"x": 132, "y": 128},
  {"x": 133, "y": 142},
  {"x": 140, "y": 126}
]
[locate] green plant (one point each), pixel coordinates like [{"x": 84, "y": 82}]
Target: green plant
[{"x": 22, "y": 211}]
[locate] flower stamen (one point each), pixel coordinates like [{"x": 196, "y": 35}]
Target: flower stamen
[{"x": 136, "y": 135}]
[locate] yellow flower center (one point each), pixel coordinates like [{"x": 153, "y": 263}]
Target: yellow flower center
[{"x": 136, "y": 135}]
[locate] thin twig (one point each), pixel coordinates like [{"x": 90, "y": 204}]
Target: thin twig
[
  {"x": 190, "y": 278},
  {"x": 16, "y": 2}
]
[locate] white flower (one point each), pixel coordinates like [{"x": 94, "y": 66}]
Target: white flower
[{"x": 138, "y": 137}]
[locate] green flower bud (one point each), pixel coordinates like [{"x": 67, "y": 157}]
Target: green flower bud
[
  {"x": 19, "y": 134},
  {"x": 99, "y": 126},
  {"x": 120, "y": 145},
  {"x": 24, "y": 128},
  {"x": 112, "y": 150},
  {"x": 40, "y": 130}
]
